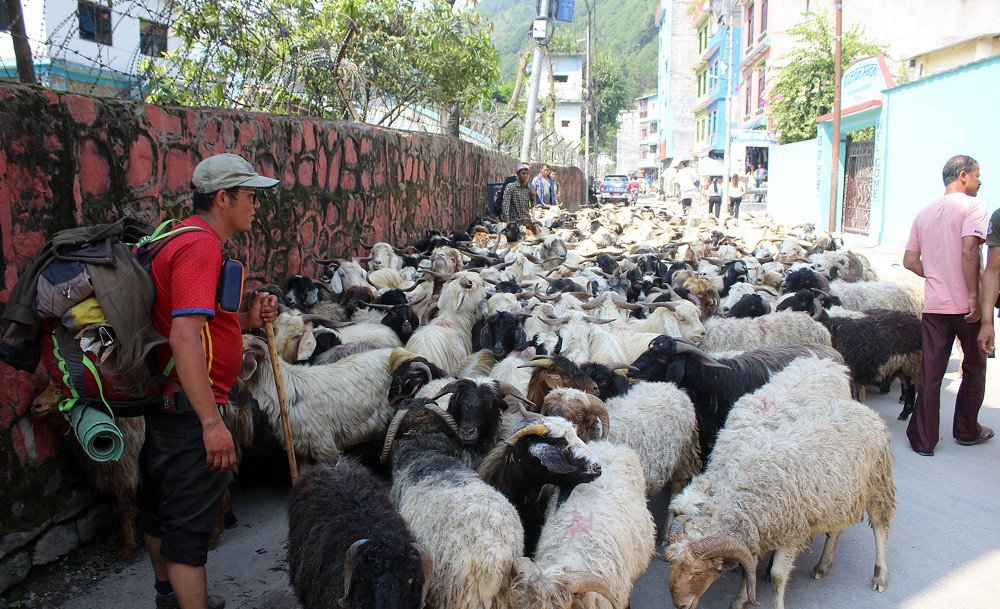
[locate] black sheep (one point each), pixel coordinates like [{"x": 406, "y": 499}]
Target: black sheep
[
  {"x": 343, "y": 532},
  {"x": 501, "y": 333},
  {"x": 610, "y": 384}
]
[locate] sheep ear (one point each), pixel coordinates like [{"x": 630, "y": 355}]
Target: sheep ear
[
  {"x": 307, "y": 344},
  {"x": 551, "y": 457},
  {"x": 249, "y": 366}
]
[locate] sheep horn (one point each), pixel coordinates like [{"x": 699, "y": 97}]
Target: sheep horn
[
  {"x": 426, "y": 566},
  {"x": 449, "y": 388},
  {"x": 819, "y": 311},
  {"x": 349, "y": 569},
  {"x": 582, "y": 583},
  {"x": 535, "y": 429},
  {"x": 390, "y": 434},
  {"x": 683, "y": 347},
  {"x": 593, "y": 304},
  {"x": 725, "y": 546},
  {"x": 425, "y": 369}
]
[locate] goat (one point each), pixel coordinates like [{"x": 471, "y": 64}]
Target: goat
[
  {"x": 447, "y": 339},
  {"x": 779, "y": 329},
  {"x": 348, "y": 546}
]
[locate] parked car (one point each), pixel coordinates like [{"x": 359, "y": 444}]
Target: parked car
[{"x": 613, "y": 187}]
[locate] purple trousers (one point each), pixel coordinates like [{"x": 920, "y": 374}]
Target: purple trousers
[{"x": 938, "y": 336}]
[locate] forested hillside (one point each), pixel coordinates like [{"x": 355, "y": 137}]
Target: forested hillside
[{"x": 623, "y": 28}]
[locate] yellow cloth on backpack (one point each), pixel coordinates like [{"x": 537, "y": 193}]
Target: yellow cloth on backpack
[{"x": 87, "y": 312}]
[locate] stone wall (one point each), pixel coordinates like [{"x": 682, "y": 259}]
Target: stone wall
[{"x": 67, "y": 160}]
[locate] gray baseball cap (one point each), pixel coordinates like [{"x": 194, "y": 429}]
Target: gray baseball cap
[{"x": 225, "y": 171}]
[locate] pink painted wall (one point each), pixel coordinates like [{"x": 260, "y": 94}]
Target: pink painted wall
[{"x": 67, "y": 159}]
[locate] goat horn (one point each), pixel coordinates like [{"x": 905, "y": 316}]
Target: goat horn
[
  {"x": 593, "y": 304},
  {"x": 349, "y": 568},
  {"x": 764, "y": 288},
  {"x": 538, "y": 362},
  {"x": 554, "y": 321},
  {"x": 676, "y": 529},
  {"x": 411, "y": 288},
  {"x": 624, "y": 304},
  {"x": 319, "y": 320},
  {"x": 683, "y": 347},
  {"x": 502, "y": 265},
  {"x": 418, "y": 301},
  {"x": 450, "y": 387},
  {"x": 508, "y": 389},
  {"x": 535, "y": 429},
  {"x": 444, "y": 416},
  {"x": 598, "y": 320},
  {"x": 490, "y": 281},
  {"x": 726, "y": 546},
  {"x": 621, "y": 366},
  {"x": 390, "y": 434},
  {"x": 381, "y": 307},
  {"x": 582, "y": 583},
  {"x": 367, "y": 246}
]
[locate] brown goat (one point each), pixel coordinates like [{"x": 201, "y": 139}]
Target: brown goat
[
  {"x": 120, "y": 478},
  {"x": 585, "y": 411},
  {"x": 552, "y": 373}
]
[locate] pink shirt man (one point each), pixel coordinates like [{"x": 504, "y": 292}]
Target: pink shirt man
[{"x": 937, "y": 235}]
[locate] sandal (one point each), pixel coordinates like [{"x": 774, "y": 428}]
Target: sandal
[{"x": 985, "y": 433}]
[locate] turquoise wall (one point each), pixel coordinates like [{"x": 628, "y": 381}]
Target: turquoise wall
[
  {"x": 929, "y": 121},
  {"x": 792, "y": 184}
]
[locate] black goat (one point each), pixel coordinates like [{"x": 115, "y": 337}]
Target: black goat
[
  {"x": 610, "y": 384},
  {"x": 544, "y": 452},
  {"x": 501, "y": 333},
  {"x": 348, "y": 546},
  {"x": 750, "y": 305},
  {"x": 732, "y": 272},
  {"x": 476, "y": 405},
  {"x": 409, "y": 374},
  {"x": 301, "y": 293},
  {"x": 714, "y": 385},
  {"x": 398, "y": 314}
]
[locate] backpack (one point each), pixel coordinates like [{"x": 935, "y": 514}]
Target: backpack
[{"x": 80, "y": 348}]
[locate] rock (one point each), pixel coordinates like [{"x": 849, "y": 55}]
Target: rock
[
  {"x": 55, "y": 543},
  {"x": 77, "y": 501},
  {"x": 97, "y": 518},
  {"x": 14, "y": 570},
  {"x": 18, "y": 539}
]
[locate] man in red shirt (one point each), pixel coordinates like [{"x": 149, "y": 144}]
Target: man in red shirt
[{"x": 189, "y": 454}]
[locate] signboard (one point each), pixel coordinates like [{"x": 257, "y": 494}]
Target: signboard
[
  {"x": 863, "y": 81},
  {"x": 754, "y": 137},
  {"x": 560, "y": 10}
]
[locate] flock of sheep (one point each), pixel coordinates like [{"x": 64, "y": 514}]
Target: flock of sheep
[{"x": 487, "y": 412}]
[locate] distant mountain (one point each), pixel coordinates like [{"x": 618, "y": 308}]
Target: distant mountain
[{"x": 623, "y": 28}]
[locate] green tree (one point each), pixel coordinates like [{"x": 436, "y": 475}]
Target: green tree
[
  {"x": 612, "y": 94},
  {"x": 804, "y": 86},
  {"x": 364, "y": 59}
]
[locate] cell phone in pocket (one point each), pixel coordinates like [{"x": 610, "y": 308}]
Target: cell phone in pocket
[{"x": 230, "y": 291}]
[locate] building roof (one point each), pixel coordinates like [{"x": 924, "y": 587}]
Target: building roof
[
  {"x": 956, "y": 44},
  {"x": 965, "y": 66}
]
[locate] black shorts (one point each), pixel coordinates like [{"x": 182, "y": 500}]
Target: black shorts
[
  {"x": 181, "y": 493},
  {"x": 685, "y": 202}
]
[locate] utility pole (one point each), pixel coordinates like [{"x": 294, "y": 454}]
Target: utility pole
[
  {"x": 835, "y": 137},
  {"x": 19, "y": 39},
  {"x": 541, "y": 46},
  {"x": 586, "y": 137}
]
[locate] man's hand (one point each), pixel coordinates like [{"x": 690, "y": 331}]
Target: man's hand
[
  {"x": 974, "y": 313},
  {"x": 219, "y": 450},
  {"x": 263, "y": 309},
  {"x": 985, "y": 339}
]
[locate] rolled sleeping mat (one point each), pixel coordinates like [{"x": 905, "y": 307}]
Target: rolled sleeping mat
[{"x": 98, "y": 435}]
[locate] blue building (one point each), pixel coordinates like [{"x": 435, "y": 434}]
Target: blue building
[{"x": 718, "y": 51}]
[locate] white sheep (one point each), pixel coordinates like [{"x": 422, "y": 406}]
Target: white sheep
[
  {"x": 781, "y": 473},
  {"x": 602, "y": 530},
  {"x": 865, "y": 295},
  {"x": 772, "y": 330},
  {"x": 330, "y": 407}
]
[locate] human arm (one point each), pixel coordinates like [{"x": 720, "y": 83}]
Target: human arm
[
  {"x": 991, "y": 287},
  {"x": 912, "y": 263},
  {"x": 263, "y": 309},
  {"x": 971, "y": 268},
  {"x": 190, "y": 363}
]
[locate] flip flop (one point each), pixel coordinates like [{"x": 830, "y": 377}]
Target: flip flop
[{"x": 985, "y": 433}]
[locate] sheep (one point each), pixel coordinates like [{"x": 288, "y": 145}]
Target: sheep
[
  {"x": 330, "y": 407},
  {"x": 473, "y": 534},
  {"x": 447, "y": 339},
  {"x": 865, "y": 295},
  {"x": 383, "y": 256},
  {"x": 738, "y": 291},
  {"x": 545, "y": 451},
  {"x": 714, "y": 385},
  {"x": 825, "y": 463},
  {"x": 598, "y": 540},
  {"x": 779, "y": 329},
  {"x": 878, "y": 345},
  {"x": 348, "y": 546}
]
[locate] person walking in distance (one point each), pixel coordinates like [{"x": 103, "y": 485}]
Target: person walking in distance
[
  {"x": 518, "y": 197},
  {"x": 188, "y": 455},
  {"x": 944, "y": 248},
  {"x": 714, "y": 196},
  {"x": 735, "y": 195},
  {"x": 554, "y": 177},
  {"x": 542, "y": 185},
  {"x": 687, "y": 181}
]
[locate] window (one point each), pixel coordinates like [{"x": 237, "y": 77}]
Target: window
[
  {"x": 749, "y": 27},
  {"x": 560, "y": 77},
  {"x": 763, "y": 16},
  {"x": 711, "y": 123},
  {"x": 95, "y": 23},
  {"x": 702, "y": 82},
  {"x": 760, "y": 87},
  {"x": 645, "y": 133},
  {"x": 703, "y": 37},
  {"x": 152, "y": 38},
  {"x": 4, "y": 19},
  {"x": 746, "y": 87},
  {"x": 652, "y": 128},
  {"x": 565, "y": 123}
]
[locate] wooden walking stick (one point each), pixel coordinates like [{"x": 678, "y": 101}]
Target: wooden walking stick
[{"x": 279, "y": 384}]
